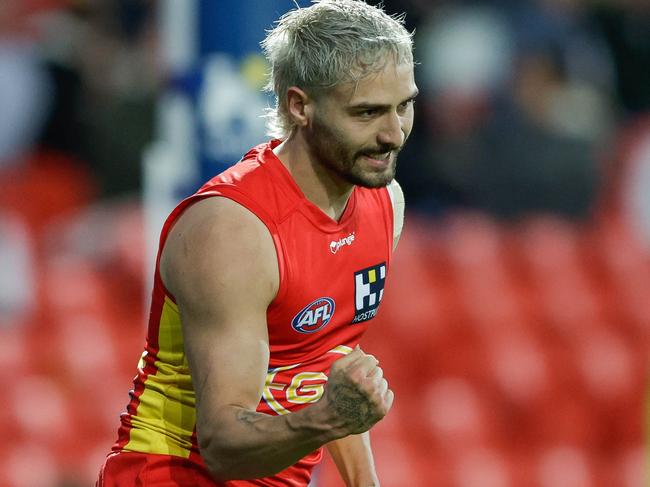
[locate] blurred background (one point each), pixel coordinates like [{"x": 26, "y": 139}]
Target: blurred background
[{"x": 516, "y": 328}]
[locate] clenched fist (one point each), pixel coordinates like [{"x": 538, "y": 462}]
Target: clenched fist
[{"x": 357, "y": 392}]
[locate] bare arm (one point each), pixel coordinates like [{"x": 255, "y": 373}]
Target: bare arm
[
  {"x": 219, "y": 262},
  {"x": 353, "y": 455},
  {"x": 353, "y": 458},
  {"x": 397, "y": 199}
]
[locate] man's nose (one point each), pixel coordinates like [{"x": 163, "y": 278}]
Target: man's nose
[{"x": 391, "y": 132}]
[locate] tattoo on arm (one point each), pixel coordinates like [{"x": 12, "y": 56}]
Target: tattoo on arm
[{"x": 351, "y": 404}]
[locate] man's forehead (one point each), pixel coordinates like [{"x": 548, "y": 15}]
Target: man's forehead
[{"x": 380, "y": 86}]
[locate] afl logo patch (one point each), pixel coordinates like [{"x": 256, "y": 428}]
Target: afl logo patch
[{"x": 314, "y": 316}]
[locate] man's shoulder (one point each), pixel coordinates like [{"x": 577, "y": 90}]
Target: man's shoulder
[
  {"x": 255, "y": 182},
  {"x": 249, "y": 169},
  {"x": 222, "y": 235}
]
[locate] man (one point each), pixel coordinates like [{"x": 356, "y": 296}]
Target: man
[{"x": 268, "y": 276}]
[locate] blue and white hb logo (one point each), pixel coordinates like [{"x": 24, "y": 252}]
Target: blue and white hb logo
[
  {"x": 368, "y": 290},
  {"x": 314, "y": 316}
]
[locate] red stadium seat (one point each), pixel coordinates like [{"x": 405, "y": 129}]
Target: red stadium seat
[
  {"x": 607, "y": 365},
  {"x": 472, "y": 241},
  {"x": 569, "y": 306},
  {"x": 74, "y": 286},
  {"x": 482, "y": 467},
  {"x": 56, "y": 185},
  {"x": 631, "y": 468},
  {"x": 519, "y": 366},
  {"x": 28, "y": 464},
  {"x": 14, "y": 353},
  {"x": 454, "y": 414},
  {"x": 567, "y": 466},
  {"x": 564, "y": 415},
  {"x": 550, "y": 246},
  {"x": 86, "y": 345},
  {"x": 40, "y": 408}
]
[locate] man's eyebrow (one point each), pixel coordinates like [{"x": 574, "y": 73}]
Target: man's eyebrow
[{"x": 379, "y": 106}]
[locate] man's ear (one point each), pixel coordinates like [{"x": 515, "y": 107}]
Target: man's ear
[{"x": 300, "y": 106}]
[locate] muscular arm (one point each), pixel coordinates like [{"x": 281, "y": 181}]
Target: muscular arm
[
  {"x": 219, "y": 262},
  {"x": 353, "y": 455},
  {"x": 353, "y": 458}
]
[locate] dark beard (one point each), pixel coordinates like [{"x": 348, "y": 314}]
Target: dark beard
[{"x": 326, "y": 148}]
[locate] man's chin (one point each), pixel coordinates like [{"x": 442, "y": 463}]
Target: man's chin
[{"x": 372, "y": 180}]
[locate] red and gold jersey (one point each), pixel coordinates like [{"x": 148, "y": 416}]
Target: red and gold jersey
[{"x": 332, "y": 277}]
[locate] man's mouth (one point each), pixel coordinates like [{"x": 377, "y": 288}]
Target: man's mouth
[{"x": 379, "y": 160}]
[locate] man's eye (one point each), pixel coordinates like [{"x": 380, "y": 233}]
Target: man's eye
[
  {"x": 370, "y": 112},
  {"x": 403, "y": 106}
]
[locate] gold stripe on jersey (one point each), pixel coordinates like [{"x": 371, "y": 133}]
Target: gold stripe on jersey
[
  {"x": 165, "y": 417},
  {"x": 342, "y": 349},
  {"x": 270, "y": 386}
]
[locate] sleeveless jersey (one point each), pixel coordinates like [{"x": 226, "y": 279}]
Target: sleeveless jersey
[{"x": 332, "y": 277}]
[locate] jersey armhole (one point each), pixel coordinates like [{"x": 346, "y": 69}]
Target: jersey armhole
[
  {"x": 397, "y": 209},
  {"x": 241, "y": 199}
]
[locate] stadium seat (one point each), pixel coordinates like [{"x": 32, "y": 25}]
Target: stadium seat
[
  {"x": 567, "y": 466},
  {"x": 482, "y": 467},
  {"x": 14, "y": 356},
  {"x": 549, "y": 245},
  {"x": 606, "y": 365},
  {"x": 86, "y": 346},
  {"x": 631, "y": 467},
  {"x": 28, "y": 464},
  {"x": 74, "y": 286},
  {"x": 454, "y": 414},
  {"x": 519, "y": 366},
  {"x": 56, "y": 185},
  {"x": 472, "y": 241},
  {"x": 565, "y": 415}
]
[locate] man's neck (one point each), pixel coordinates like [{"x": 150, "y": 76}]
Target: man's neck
[{"x": 320, "y": 186}]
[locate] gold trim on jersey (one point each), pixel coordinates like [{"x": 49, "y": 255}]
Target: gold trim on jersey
[{"x": 166, "y": 417}]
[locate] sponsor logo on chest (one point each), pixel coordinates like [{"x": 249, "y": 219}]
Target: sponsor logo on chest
[
  {"x": 335, "y": 245},
  {"x": 368, "y": 291}
]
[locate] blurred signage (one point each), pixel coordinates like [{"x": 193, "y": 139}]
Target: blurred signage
[
  {"x": 230, "y": 107},
  {"x": 230, "y": 103}
]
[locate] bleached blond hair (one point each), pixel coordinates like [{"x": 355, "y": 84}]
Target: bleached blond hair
[{"x": 326, "y": 44}]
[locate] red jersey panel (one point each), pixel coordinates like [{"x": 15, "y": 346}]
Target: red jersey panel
[{"x": 332, "y": 277}]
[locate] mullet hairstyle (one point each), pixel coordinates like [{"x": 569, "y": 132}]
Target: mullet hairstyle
[{"x": 326, "y": 44}]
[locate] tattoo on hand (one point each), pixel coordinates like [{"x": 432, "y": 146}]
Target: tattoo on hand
[{"x": 351, "y": 404}]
